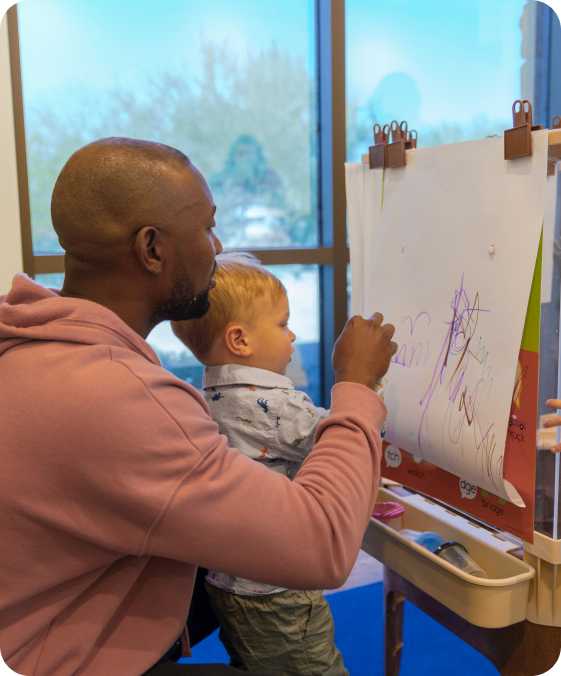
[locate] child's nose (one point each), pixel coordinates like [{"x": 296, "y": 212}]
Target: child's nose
[{"x": 292, "y": 336}]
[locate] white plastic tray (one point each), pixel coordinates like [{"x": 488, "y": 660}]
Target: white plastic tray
[{"x": 497, "y": 601}]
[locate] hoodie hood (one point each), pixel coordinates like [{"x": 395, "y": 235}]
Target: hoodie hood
[{"x": 32, "y": 312}]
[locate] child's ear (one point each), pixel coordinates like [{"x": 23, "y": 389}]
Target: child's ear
[{"x": 237, "y": 340}]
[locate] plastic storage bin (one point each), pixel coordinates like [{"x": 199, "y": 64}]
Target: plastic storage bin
[{"x": 499, "y": 600}]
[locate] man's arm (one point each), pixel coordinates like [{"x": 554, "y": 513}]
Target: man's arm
[
  {"x": 155, "y": 477},
  {"x": 248, "y": 521},
  {"x": 231, "y": 514}
]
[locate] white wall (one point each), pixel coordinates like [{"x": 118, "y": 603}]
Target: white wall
[{"x": 10, "y": 238}]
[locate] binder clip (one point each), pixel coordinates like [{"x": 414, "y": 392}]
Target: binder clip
[
  {"x": 554, "y": 150},
  {"x": 390, "y": 143},
  {"x": 377, "y": 152},
  {"x": 411, "y": 139},
  {"x": 518, "y": 140},
  {"x": 395, "y": 157}
]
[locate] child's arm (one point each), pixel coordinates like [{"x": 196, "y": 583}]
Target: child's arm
[{"x": 297, "y": 423}]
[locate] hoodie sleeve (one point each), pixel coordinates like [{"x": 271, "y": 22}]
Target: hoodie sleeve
[
  {"x": 154, "y": 477},
  {"x": 230, "y": 513}
]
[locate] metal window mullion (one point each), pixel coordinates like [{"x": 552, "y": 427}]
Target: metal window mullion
[{"x": 330, "y": 26}]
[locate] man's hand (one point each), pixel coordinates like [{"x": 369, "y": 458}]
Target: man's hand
[
  {"x": 363, "y": 351},
  {"x": 553, "y": 420}
]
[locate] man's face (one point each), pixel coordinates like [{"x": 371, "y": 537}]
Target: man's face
[{"x": 194, "y": 247}]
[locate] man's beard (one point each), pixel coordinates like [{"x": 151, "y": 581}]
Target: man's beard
[{"x": 180, "y": 306}]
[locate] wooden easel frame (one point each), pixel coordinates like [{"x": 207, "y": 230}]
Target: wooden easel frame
[{"x": 522, "y": 649}]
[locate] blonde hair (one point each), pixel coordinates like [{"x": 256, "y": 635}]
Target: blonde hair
[{"x": 240, "y": 281}]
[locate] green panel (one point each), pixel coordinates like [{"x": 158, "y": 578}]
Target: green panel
[{"x": 531, "y": 335}]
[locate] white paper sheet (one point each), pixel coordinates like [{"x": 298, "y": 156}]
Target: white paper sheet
[{"x": 450, "y": 245}]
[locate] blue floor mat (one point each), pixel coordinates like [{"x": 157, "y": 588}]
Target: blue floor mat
[{"x": 430, "y": 650}]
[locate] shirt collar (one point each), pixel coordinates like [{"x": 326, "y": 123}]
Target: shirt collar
[{"x": 237, "y": 374}]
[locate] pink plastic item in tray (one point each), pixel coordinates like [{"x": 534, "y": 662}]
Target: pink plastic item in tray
[{"x": 386, "y": 511}]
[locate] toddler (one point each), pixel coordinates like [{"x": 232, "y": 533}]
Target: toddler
[{"x": 245, "y": 344}]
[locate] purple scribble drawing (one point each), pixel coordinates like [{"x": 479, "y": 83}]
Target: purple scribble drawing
[
  {"x": 412, "y": 353},
  {"x": 459, "y": 337}
]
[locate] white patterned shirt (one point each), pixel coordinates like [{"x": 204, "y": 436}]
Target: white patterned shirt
[{"x": 266, "y": 419}]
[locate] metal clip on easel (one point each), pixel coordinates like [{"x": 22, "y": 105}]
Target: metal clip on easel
[
  {"x": 377, "y": 152},
  {"x": 518, "y": 140},
  {"x": 390, "y": 143}
]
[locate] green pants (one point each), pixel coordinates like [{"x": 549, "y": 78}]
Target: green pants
[{"x": 286, "y": 633}]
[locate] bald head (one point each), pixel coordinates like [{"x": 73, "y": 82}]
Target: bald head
[
  {"x": 136, "y": 221},
  {"x": 109, "y": 189}
]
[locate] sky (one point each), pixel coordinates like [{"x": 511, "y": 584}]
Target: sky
[
  {"x": 461, "y": 57},
  {"x": 458, "y": 58},
  {"x": 98, "y": 44}
]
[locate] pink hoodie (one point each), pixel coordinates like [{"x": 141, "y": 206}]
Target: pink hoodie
[{"x": 115, "y": 484}]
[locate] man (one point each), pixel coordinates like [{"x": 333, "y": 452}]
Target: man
[{"x": 115, "y": 482}]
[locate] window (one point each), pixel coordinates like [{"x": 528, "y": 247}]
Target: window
[
  {"x": 451, "y": 73},
  {"x": 233, "y": 86},
  {"x": 234, "y": 89}
]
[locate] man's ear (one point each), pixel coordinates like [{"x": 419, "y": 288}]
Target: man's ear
[
  {"x": 237, "y": 340},
  {"x": 148, "y": 246}
]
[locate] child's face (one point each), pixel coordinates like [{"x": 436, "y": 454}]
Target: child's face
[{"x": 270, "y": 338}]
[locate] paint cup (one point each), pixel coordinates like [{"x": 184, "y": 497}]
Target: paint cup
[
  {"x": 456, "y": 554},
  {"x": 390, "y": 513}
]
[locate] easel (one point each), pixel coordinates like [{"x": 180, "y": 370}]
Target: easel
[{"x": 524, "y": 647}]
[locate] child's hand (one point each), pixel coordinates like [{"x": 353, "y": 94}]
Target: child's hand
[
  {"x": 363, "y": 351},
  {"x": 553, "y": 420}
]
